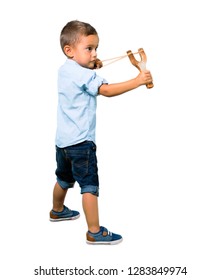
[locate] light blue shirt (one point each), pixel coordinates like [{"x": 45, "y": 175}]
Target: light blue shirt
[{"x": 76, "y": 112}]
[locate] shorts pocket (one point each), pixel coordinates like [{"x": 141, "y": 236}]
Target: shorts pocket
[
  {"x": 79, "y": 159},
  {"x": 80, "y": 165}
]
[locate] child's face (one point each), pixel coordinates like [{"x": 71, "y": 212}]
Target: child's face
[{"x": 84, "y": 52}]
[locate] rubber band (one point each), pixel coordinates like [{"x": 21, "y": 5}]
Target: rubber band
[{"x": 115, "y": 59}]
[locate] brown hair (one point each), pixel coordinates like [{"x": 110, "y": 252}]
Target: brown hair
[{"x": 73, "y": 30}]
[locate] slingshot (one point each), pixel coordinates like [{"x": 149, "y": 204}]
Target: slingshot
[{"x": 140, "y": 65}]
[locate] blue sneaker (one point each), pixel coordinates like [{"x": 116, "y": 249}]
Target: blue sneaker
[
  {"x": 103, "y": 237},
  {"x": 66, "y": 214}
]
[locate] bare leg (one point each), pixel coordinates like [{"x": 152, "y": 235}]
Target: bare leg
[
  {"x": 90, "y": 207},
  {"x": 59, "y": 195}
]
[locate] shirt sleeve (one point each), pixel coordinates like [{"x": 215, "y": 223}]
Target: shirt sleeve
[{"x": 93, "y": 84}]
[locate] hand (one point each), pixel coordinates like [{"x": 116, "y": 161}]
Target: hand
[
  {"x": 98, "y": 64},
  {"x": 145, "y": 77}
]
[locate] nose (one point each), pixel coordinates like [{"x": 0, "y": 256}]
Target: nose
[{"x": 94, "y": 53}]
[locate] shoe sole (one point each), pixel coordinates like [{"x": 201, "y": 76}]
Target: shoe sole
[
  {"x": 104, "y": 242},
  {"x": 64, "y": 219}
]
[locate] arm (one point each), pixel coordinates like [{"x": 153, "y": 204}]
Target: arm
[{"x": 110, "y": 90}]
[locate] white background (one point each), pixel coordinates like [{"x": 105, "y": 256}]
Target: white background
[{"x": 158, "y": 149}]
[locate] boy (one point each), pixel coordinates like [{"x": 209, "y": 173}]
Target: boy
[{"x": 78, "y": 87}]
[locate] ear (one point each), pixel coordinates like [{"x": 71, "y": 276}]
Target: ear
[{"x": 68, "y": 50}]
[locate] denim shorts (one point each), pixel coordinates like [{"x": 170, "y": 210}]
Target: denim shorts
[{"x": 78, "y": 163}]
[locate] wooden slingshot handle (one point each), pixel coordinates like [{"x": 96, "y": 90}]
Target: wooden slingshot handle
[{"x": 140, "y": 65}]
